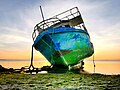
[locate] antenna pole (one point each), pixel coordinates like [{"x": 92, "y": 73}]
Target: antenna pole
[{"x": 42, "y": 13}]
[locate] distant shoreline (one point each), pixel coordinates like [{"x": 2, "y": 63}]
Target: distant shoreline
[
  {"x": 5, "y": 60},
  {"x": 102, "y": 60},
  {"x": 9, "y": 60}
]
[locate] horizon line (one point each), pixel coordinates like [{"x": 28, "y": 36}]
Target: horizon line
[{"x": 20, "y": 60}]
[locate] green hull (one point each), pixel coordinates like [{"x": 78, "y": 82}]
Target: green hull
[{"x": 66, "y": 46}]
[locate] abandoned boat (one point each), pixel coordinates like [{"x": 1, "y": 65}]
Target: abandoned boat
[{"x": 63, "y": 39}]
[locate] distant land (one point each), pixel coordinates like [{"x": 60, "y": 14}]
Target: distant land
[{"x": 13, "y": 60}]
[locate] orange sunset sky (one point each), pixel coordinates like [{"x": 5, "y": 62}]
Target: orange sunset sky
[{"x": 18, "y": 18}]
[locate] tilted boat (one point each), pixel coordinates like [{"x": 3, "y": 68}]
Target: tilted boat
[{"x": 63, "y": 39}]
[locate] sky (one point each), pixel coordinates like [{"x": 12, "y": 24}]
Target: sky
[{"x": 18, "y": 18}]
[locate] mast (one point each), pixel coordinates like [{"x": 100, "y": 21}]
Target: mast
[
  {"x": 42, "y": 13},
  {"x": 42, "y": 17}
]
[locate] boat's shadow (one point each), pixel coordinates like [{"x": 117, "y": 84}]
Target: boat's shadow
[{"x": 62, "y": 69}]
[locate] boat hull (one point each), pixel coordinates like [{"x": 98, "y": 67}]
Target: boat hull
[{"x": 64, "y": 45}]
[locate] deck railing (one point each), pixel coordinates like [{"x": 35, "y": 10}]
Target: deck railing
[{"x": 71, "y": 17}]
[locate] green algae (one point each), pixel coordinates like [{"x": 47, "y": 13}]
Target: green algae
[{"x": 55, "y": 81}]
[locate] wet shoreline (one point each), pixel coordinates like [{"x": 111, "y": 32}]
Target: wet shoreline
[{"x": 58, "y": 81}]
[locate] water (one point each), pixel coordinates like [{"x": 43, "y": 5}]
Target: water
[
  {"x": 102, "y": 66},
  {"x": 17, "y": 64}
]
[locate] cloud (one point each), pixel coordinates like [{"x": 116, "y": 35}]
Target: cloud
[
  {"x": 103, "y": 25},
  {"x": 14, "y": 39},
  {"x": 18, "y": 18}
]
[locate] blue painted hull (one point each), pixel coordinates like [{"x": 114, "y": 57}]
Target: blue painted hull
[{"x": 64, "y": 45}]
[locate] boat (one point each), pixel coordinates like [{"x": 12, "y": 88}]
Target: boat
[{"x": 63, "y": 39}]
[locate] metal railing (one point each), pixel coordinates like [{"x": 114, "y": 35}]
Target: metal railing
[{"x": 69, "y": 16}]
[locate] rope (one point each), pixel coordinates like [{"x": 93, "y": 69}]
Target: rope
[
  {"x": 31, "y": 67},
  {"x": 94, "y": 63}
]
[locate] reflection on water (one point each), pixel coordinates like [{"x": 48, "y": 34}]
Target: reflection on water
[
  {"x": 104, "y": 67},
  {"x": 21, "y": 63}
]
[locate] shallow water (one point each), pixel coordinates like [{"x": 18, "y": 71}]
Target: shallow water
[{"x": 103, "y": 67}]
